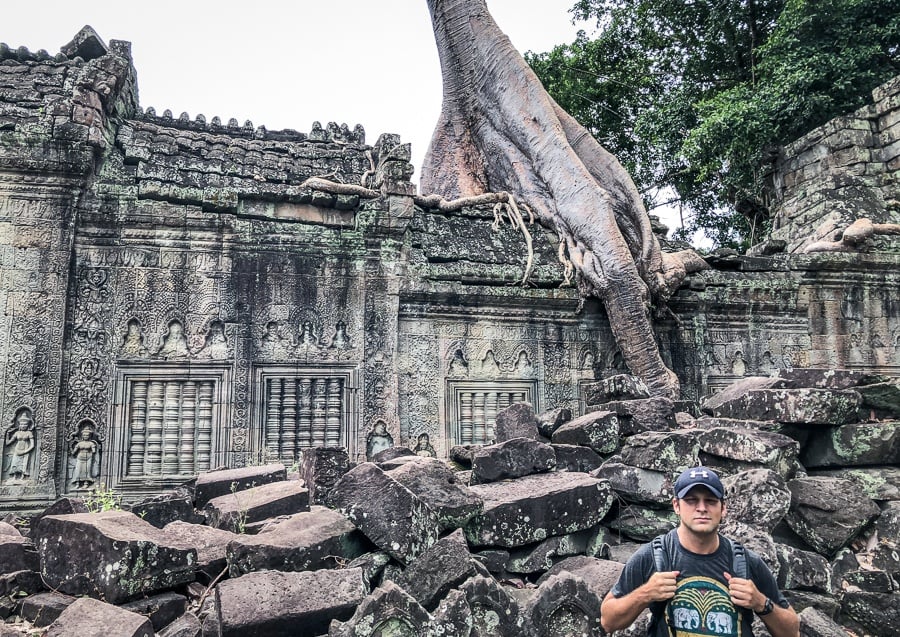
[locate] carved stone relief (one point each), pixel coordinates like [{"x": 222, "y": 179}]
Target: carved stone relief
[{"x": 19, "y": 444}]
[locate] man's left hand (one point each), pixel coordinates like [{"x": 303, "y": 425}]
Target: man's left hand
[{"x": 744, "y": 593}]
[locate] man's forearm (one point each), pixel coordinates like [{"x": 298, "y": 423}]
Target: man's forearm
[
  {"x": 617, "y": 613},
  {"x": 782, "y": 622}
]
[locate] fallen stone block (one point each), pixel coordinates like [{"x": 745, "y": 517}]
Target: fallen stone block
[
  {"x": 737, "y": 390},
  {"x": 865, "y": 443},
  {"x": 869, "y": 581},
  {"x": 550, "y": 421},
  {"x": 165, "y": 508},
  {"x": 750, "y": 448},
  {"x": 618, "y": 387},
  {"x": 17, "y": 553},
  {"x": 210, "y": 544},
  {"x": 235, "y": 511},
  {"x": 815, "y": 623},
  {"x": 389, "y": 610},
  {"x": 306, "y": 541},
  {"x": 667, "y": 452},
  {"x": 877, "y": 612},
  {"x": 633, "y": 484},
  {"x": 754, "y": 539},
  {"x": 532, "y": 508},
  {"x": 188, "y": 625},
  {"x": 462, "y": 454},
  {"x": 795, "y": 406},
  {"x": 443, "y": 566},
  {"x": 828, "y": 512},
  {"x": 516, "y": 421},
  {"x": 564, "y": 606},
  {"x": 882, "y": 398},
  {"x": 63, "y": 506},
  {"x": 280, "y": 604},
  {"x": 599, "y": 575},
  {"x": 537, "y": 558},
  {"x": 321, "y": 468},
  {"x": 878, "y": 483},
  {"x": 758, "y": 497},
  {"x": 642, "y": 523},
  {"x": 576, "y": 458},
  {"x": 391, "y": 453},
  {"x": 87, "y": 617},
  {"x": 511, "y": 459},
  {"x": 214, "y": 484},
  {"x": 803, "y": 570},
  {"x": 118, "y": 556},
  {"x": 372, "y": 565},
  {"x": 388, "y": 513},
  {"x": 826, "y": 378},
  {"x": 160, "y": 609},
  {"x": 494, "y": 611},
  {"x": 435, "y": 483},
  {"x": 640, "y": 416},
  {"x": 598, "y": 430},
  {"x": 42, "y": 609},
  {"x": 452, "y": 616}
]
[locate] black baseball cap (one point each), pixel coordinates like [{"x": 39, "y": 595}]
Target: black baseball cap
[{"x": 699, "y": 476}]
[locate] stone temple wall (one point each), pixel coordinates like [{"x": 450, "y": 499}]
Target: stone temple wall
[
  {"x": 846, "y": 169},
  {"x": 176, "y": 296}
]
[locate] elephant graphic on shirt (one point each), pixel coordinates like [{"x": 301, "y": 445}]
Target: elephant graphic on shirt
[
  {"x": 686, "y": 618},
  {"x": 719, "y": 622}
]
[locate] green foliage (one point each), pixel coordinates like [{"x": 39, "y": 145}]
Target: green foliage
[
  {"x": 697, "y": 95},
  {"x": 102, "y": 498}
]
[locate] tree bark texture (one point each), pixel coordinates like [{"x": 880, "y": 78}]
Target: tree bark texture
[{"x": 499, "y": 130}]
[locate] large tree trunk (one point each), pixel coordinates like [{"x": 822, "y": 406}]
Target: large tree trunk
[{"x": 499, "y": 130}]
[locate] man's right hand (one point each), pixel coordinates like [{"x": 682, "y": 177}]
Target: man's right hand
[{"x": 660, "y": 586}]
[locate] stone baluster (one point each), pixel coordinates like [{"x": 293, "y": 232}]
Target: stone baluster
[
  {"x": 138, "y": 426},
  {"x": 287, "y": 444},
  {"x": 204, "y": 425},
  {"x": 319, "y": 405},
  {"x": 274, "y": 413},
  {"x": 188, "y": 428},
  {"x": 305, "y": 415},
  {"x": 171, "y": 425},
  {"x": 334, "y": 407},
  {"x": 153, "y": 458},
  {"x": 478, "y": 425},
  {"x": 466, "y": 426}
]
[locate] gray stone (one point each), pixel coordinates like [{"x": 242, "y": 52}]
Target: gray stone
[
  {"x": 17, "y": 553},
  {"x": 634, "y": 484},
  {"x": 642, "y": 523},
  {"x": 877, "y": 612},
  {"x": 564, "y": 606},
  {"x": 218, "y": 483},
  {"x": 803, "y": 570},
  {"x": 235, "y": 511},
  {"x": 738, "y": 389},
  {"x": 390, "y": 515},
  {"x": 118, "y": 556},
  {"x": 598, "y": 430},
  {"x": 188, "y": 625},
  {"x": 815, "y": 623},
  {"x": 758, "y": 497},
  {"x": 825, "y": 378},
  {"x": 751, "y": 448},
  {"x": 512, "y": 458},
  {"x": 576, "y": 458},
  {"x": 160, "y": 609},
  {"x": 865, "y": 443},
  {"x": 321, "y": 468},
  {"x": 439, "y": 486},
  {"x": 18, "y": 583},
  {"x": 392, "y": 453},
  {"x": 550, "y": 421},
  {"x": 641, "y": 416},
  {"x": 462, "y": 454},
  {"x": 495, "y": 613},
  {"x": 42, "y": 609},
  {"x": 800, "y": 406},
  {"x": 62, "y": 506},
  {"x": 618, "y": 387},
  {"x": 209, "y": 543},
  {"x": 165, "y": 508},
  {"x": 666, "y": 452},
  {"x": 541, "y": 556},
  {"x": 881, "y": 397},
  {"x": 757, "y": 540},
  {"x": 452, "y": 616},
  {"x": 599, "y": 575},
  {"x": 530, "y": 509},
  {"x": 389, "y": 610},
  {"x": 516, "y": 421},
  {"x": 828, "y": 512},
  {"x": 306, "y": 541},
  {"x": 372, "y": 565},
  {"x": 87, "y": 617},
  {"x": 278, "y": 604},
  {"x": 443, "y": 566},
  {"x": 825, "y": 604},
  {"x": 878, "y": 483},
  {"x": 869, "y": 581}
]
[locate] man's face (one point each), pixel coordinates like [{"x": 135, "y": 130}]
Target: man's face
[{"x": 700, "y": 511}]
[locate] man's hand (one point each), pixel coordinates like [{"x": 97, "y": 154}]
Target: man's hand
[
  {"x": 660, "y": 586},
  {"x": 744, "y": 593}
]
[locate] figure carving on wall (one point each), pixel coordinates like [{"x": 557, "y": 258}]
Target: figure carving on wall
[
  {"x": 340, "y": 339},
  {"x": 174, "y": 344},
  {"x": 767, "y": 366},
  {"x": 85, "y": 451},
  {"x": 216, "y": 345},
  {"x": 273, "y": 343},
  {"x": 378, "y": 439},
  {"x": 19, "y": 441},
  {"x": 489, "y": 364},
  {"x": 307, "y": 334},
  {"x": 133, "y": 343},
  {"x": 523, "y": 364},
  {"x": 458, "y": 365},
  {"x": 423, "y": 447},
  {"x": 738, "y": 367},
  {"x": 854, "y": 352}
]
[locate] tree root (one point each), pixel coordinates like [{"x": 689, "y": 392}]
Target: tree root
[
  {"x": 336, "y": 188},
  {"x": 854, "y": 237},
  {"x": 504, "y": 204}
]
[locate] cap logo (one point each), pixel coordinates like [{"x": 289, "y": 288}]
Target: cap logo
[{"x": 695, "y": 473}]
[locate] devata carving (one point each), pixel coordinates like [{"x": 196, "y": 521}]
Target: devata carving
[
  {"x": 500, "y": 131},
  {"x": 84, "y": 448},
  {"x": 19, "y": 444}
]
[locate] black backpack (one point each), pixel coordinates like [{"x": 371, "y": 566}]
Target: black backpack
[{"x": 664, "y": 545}]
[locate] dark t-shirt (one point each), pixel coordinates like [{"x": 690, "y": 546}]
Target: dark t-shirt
[{"x": 701, "y": 606}]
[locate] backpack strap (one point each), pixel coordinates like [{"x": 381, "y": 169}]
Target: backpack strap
[
  {"x": 660, "y": 555},
  {"x": 739, "y": 560}
]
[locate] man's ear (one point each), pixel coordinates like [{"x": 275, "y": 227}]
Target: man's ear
[{"x": 675, "y": 504}]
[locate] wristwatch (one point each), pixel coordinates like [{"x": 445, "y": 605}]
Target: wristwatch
[{"x": 767, "y": 608}]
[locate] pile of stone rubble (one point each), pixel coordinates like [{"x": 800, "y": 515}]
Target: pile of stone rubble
[{"x": 522, "y": 537}]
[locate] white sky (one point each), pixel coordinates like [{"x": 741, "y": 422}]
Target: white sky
[{"x": 285, "y": 64}]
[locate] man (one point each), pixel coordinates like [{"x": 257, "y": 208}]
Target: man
[{"x": 699, "y": 595}]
